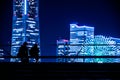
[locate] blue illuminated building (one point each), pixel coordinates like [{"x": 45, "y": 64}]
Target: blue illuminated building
[
  {"x": 117, "y": 40},
  {"x": 80, "y": 36},
  {"x": 83, "y": 42},
  {"x": 25, "y": 24},
  {"x": 104, "y": 46},
  {"x": 62, "y": 49}
]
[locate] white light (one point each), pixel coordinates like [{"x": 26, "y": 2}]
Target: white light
[
  {"x": 72, "y": 32},
  {"x": 33, "y": 42},
  {"x": 31, "y": 21},
  {"x": 36, "y": 30},
  {"x": 16, "y": 34},
  {"x": 17, "y": 42},
  {"x": 73, "y": 26},
  {"x": 19, "y": 21},
  {"x": 35, "y": 34},
  {"x": 111, "y": 42},
  {"x": 18, "y": 30},
  {"x": 81, "y": 33},
  {"x": 14, "y": 37},
  {"x": 30, "y": 30},
  {"x": 1, "y": 49},
  {"x": 25, "y": 7},
  {"x": 32, "y": 25}
]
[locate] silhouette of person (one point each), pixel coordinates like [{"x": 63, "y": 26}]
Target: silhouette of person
[
  {"x": 23, "y": 53},
  {"x": 34, "y": 52}
]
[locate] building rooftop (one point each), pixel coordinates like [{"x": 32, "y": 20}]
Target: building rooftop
[{"x": 75, "y": 27}]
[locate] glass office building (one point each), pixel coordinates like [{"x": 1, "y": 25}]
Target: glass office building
[
  {"x": 62, "y": 50},
  {"x": 80, "y": 38},
  {"x": 25, "y": 24}
]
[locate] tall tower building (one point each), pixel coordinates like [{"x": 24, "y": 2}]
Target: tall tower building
[{"x": 25, "y": 24}]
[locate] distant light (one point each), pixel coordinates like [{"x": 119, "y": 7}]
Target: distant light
[
  {"x": 28, "y": 14},
  {"x": 65, "y": 40},
  {"x": 111, "y": 42},
  {"x": 35, "y": 34},
  {"x": 31, "y": 21},
  {"x": 84, "y": 26},
  {"x": 29, "y": 30},
  {"x": 17, "y": 42},
  {"x": 36, "y": 29},
  {"x": 25, "y": 7},
  {"x": 100, "y": 62},
  {"x": 1, "y": 49},
  {"x": 73, "y": 26}
]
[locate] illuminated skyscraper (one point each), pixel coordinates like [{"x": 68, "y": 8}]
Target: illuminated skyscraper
[
  {"x": 25, "y": 24},
  {"x": 80, "y": 36}
]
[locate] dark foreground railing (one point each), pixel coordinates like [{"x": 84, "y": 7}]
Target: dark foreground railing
[
  {"x": 110, "y": 59},
  {"x": 55, "y": 57}
]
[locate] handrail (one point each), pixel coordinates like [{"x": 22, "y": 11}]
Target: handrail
[
  {"x": 80, "y": 44},
  {"x": 64, "y": 57}
]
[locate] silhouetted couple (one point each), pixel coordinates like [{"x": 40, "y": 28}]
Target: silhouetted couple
[{"x": 23, "y": 52}]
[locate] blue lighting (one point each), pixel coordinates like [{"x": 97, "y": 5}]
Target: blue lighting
[
  {"x": 24, "y": 28},
  {"x": 83, "y": 42},
  {"x": 25, "y": 7}
]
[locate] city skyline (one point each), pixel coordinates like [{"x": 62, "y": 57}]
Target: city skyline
[
  {"x": 84, "y": 42},
  {"x": 55, "y": 17}
]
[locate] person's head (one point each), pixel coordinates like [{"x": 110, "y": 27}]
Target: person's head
[
  {"x": 25, "y": 44},
  {"x": 35, "y": 44}
]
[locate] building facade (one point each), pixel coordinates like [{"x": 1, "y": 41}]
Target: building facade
[
  {"x": 80, "y": 38},
  {"x": 83, "y": 42},
  {"x": 104, "y": 46},
  {"x": 25, "y": 24},
  {"x": 62, "y": 50}
]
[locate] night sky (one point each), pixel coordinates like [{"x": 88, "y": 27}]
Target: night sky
[{"x": 56, "y": 15}]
